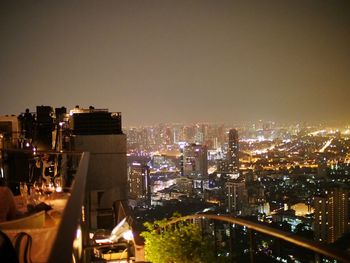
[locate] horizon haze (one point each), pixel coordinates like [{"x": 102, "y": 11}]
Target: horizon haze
[{"x": 179, "y": 61}]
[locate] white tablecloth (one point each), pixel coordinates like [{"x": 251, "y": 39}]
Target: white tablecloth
[{"x": 42, "y": 238}]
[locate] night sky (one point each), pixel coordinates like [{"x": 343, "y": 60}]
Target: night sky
[{"x": 179, "y": 61}]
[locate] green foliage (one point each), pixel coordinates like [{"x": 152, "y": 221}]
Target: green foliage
[{"x": 176, "y": 243}]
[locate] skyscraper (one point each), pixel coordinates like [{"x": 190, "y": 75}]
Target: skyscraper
[
  {"x": 195, "y": 164},
  {"x": 331, "y": 215},
  {"x": 235, "y": 188},
  {"x": 237, "y": 196},
  {"x": 233, "y": 152},
  {"x": 139, "y": 182}
]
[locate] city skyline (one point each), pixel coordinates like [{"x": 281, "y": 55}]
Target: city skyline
[
  {"x": 283, "y": 181},
  {"x": 179, "y": 61}
]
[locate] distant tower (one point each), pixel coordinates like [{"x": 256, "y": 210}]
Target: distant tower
[
  {"x": 331, "y": 215},
  {"x": 189, "y": 133},
  {"x": 236, "y": 197},
  {"x": 100, "y": 132},
  {"x": 44, "y": 127},
  {"x": 322, "y": 165},
  {"x": 139, "y": 182},
  {"x": 233, "y": 152},
  {"x": 195, "y": 164},
  {"x": 235, "y": 188}
]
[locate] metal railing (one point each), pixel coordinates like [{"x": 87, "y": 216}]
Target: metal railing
[
  {"x": 316, "y": 247},
  {"x": 62, "y": 249}
]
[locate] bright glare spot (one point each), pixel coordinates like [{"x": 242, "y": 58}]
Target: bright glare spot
[
  {"x": 78, "y": 234},
  {"x": 103, "y": 241},
  {"x": 128, "y": 235},
  {"x": 77, "y": 243}
]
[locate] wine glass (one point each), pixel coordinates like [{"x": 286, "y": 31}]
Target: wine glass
[
  {"x": 23, "y": 189},
  {"x": 24, "y": 192},
  {"x": 58, "y": 184},
  {"x": 37, "y": 187},
  {"x": 48, "y": 190}
]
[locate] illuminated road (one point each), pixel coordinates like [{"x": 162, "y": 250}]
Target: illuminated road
[
  {"x": 326, "y": 145},
  {"x": 316, "y": 132},
  {"x": 261, "y": 151}
]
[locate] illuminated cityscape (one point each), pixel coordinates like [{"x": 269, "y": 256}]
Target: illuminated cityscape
[
  {"x": 175, "y": 131},
  {"x": 291, "y": 176}
]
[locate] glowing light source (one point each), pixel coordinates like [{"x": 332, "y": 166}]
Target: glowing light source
[{"x": 128, "y": 235}]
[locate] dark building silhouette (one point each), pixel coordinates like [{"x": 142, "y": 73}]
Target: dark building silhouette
[
  {"x": 139, "y": 182},
  {"x": 96, "y": 122},
  {"x": 99, "y": 132},
  {"x": 233, "y": 152},
  {"x": 195, "y": 165},
  {"x": 331, "y": 215},
  {"x": 44, "y": 128}
]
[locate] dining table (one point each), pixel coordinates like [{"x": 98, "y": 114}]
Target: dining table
[{"x": 42, "y": 237}]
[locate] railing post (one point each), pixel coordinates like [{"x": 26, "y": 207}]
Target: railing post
[
  {"x": 231, "y": 241},
  {"x": 278, "y": 246},
  {"x": 251, "y": 245},
  {"x": 86, "y": 256},
  {"x": 215, "y": 241},
  {"x": 317, "y": 258}
]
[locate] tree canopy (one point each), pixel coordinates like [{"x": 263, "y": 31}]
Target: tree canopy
[{"x": 181, "y": 242}]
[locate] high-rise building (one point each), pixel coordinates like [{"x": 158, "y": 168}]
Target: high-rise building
[
  {"x": 189, "y": 133},
  {"x": 237, "y": 197},
  {"x": 139, "y": 182},
  {"x": 322, "y": 165},
  {"x": 178, "y": 134},
  {"x": 185, "y": 185},
  {"x": 99, "y": 132},
  {"x": 230, "y": 165},
  {"x": 195, "y": 164},
  {"x": 233, "y": 152},
  {"x": 44, "y": 127},
  {"x": 235, "y": 187},
  {"x": 331, "y": 215}
]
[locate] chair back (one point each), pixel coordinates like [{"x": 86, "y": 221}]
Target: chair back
[
  {"x": 7, "y": 251},
  {"x": 23, "y": 245}
]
